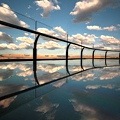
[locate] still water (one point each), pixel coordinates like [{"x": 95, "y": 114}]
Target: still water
[{"x": 82, "y": 94}]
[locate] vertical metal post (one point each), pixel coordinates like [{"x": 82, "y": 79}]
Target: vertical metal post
[
  {"x": 119, "y": 58},
  {"x": 67, "y": 58},
  {"x": 82, "y": 58},
  {"x": 106, "y": 58},
  {"x": 93, "y": 58},
  {"x": 34, "y": 58}
]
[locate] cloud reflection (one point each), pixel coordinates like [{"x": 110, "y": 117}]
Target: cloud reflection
[
  {"x": 10, "y": 88},
  {"x": 6, "y": 103},
  {"x": 47, "y": 108},
  {"x": 51, "y": 68},
  {"x": 49, "y": 77},
  {"x": 6, "y": 74},
  {"x": 86, "y": 75},
  {"x": 109, "y": 73}
]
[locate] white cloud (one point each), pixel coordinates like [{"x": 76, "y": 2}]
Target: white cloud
[
  {"x": 59, "y": 34},
  {"x": 13, "y": 46},
  {"x": 7, "y": 15},
  {"x": 84, "y": 39},
  {"x": 94, "y": 27},
  {"x": 47, "y": 6},
  {"x": 109, "y": 40},
  {"x": 84, "y": 9},
  {"x": 51, "y": 45},
  {"x": 46, "y": 31},
  {"x": 111, "y": 28},
  {"x": 3, "y": 46},
  {"x": 59, "y": 29},
  {"x": 5, "y": 37},
  {"x": 25, "y": 39},
  {"x": 24, "y": 46}
]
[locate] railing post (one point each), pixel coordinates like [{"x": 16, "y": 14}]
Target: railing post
[
  {"x": 106, "y": 58},
  {"x": 119, "y": 58},
  {"x": 93, "y": 58},
  {"x": 34, "y": 58},
  {"x": 82, "y": 57},
  {"x": 67, "y": 58}
]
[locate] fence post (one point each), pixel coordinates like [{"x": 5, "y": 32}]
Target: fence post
[
  {"x": 82, "y": 57},
  {"x": 106, "y": 58},
  {"x": 93, "y": 58},
  {"x": 67, "y": 58}
]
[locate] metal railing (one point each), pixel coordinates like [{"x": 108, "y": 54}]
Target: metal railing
[{"x": 38, "y": 34}]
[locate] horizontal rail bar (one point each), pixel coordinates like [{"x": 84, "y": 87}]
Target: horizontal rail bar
[{"x": 49, "y": 36}]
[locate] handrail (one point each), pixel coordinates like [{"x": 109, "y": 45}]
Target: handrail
[{"x": 46, "y": 35}]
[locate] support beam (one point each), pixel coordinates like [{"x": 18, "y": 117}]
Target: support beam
[
  {"x": 67, "y": 58},
  {"x": 106, "y": 58},
  {"x": 119, "y": 58},
  {"x": 34, "y": 58},
  {"x": 93, "y": 58},
  {"x": 82, "y": 58}
]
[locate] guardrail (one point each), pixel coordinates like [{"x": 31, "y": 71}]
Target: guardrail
[{"x": 38, "y": 34}]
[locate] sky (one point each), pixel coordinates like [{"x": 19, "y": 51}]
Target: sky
[{"x": 86, "y": 22}]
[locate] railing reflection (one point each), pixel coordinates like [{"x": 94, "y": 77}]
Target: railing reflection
[{"x": 52, "y": 77}]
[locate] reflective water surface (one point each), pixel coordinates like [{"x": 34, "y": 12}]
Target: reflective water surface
[{"x": 86, "y": 94}]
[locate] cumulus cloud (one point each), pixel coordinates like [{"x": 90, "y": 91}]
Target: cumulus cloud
[
  {"x": 7, "y": 15},
  {"x": 46, "y": 31},
  {"x": 84, "y": 9},
  {"x": 51, "y": 45},
  {"x": 111, "y": 28},
  {"x": 58, "y": 32},
  {"x": 5, "y": 37},
  {"x": 95, "y": 27},
  {"x": 25, "y": 39},
  {"x": 47, "y": 6},
  {"x": 84, "y": 39},
  {"x": 13, "y": 46},
  {"x": 60, "y": 29},
  {"x": 3, "y": 46},
  {"x": 109, "y": 40}
]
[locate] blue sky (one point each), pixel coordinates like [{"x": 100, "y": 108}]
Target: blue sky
[{"x": 86, "y": 21}]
